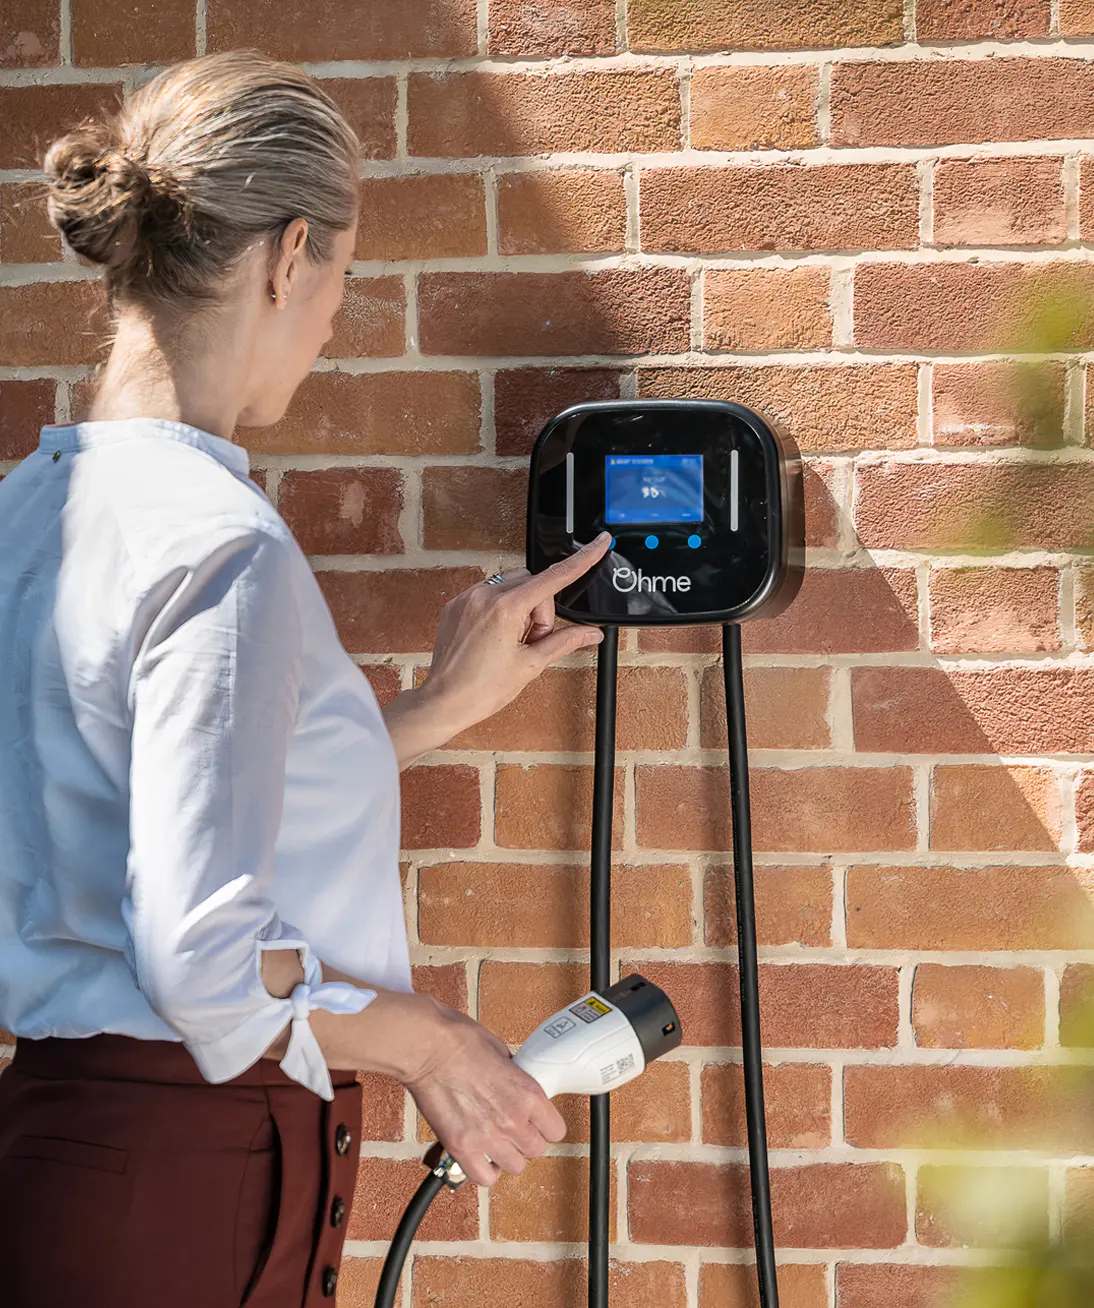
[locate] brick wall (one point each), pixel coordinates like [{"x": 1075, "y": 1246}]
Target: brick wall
[{"x": 842, "y": 212}]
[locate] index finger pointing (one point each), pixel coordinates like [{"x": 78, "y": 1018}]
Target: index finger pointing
[{"x": 566, "y": 571}]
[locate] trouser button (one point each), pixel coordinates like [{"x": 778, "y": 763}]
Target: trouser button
[
  {"x": 337, "y": 1211},
  {"x": 330, "y": 1282}
]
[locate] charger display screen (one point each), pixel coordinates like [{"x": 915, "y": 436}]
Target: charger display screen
[{"x": 649, "y": 488}]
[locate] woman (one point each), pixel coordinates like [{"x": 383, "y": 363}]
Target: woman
[{"x": 201, "y": 927}]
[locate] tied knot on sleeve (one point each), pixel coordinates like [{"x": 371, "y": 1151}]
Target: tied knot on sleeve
[{"x": 304, "y": 1060}]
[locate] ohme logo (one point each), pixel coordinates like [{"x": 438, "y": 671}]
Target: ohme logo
[{"x": 628, "y": 579}]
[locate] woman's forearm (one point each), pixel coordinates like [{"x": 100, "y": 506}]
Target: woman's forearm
[
  {"x": 419, "y": 721},
  {"x": 392, "y": 1035}
]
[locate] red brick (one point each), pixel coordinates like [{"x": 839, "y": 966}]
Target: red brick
[
  {"x": 779, "y": 207},
  {"x": 969, "y": 908},
  {"x": 25, "y": 407},
  {"x": 532, "y": 1283},
  {"x": 868, "y": 407},
  {"x": 441, "y": 806},
  {"x": 525, "y": 398},
  {"x": 700, "y": 25},
  {"x": 384, "y": 1188},
  {"x": 385, "y": 680},
  {"x": 549, "y": 806},
  {"x": 418, "y": 29},
  {"x": 939, "y": 102},
  {"x": 733, "y": 1285},
  {"x": 992, "y": 404},
  {"x": 975, "y": 506},
  {"x": 939, "y": 1107},
  {"x": 753, "y": 107},
  {"x": 978, "y": 1007},
  {"x": 797, "y": 1104},
  {"x": 370, "y": 322},
  {"x": 462, "y": 115},
  {"x": 30, "y": 34},
  {"x": 786, "y": 708},
  {"x": 358, "y": 1279},
  {"x": 25, "y": 232},
  {"x": 1077, "y": 1006},
  {"x": 473, "y": 508},
  {"x": 382, "y": 1101},
  {"x": 515, "y": 997},
  {"x": 53, "y": 323},
  {"x": 959, "y": 1207},
  {"x": 822, "y": 513},
  {"x": 545, "y": 906},
  {"x": 767, "y": 309},
  {"x": 620, "y": 311},
  {"x": 653, "y": 1109},
  {"x": 793, "y": 905},
  {"x": 1076, "y": 17},
  {"x": 539, "y": 1204},
  {"x": 803, "y": 1005},
  {"x": 1084, "y": 607},
  {"x": 998, "y": 20},
  {"x": 344, "y": 510},
  {"x": 819, "y": 1206},
  {"x": 1084, "y": 812},
  {"x": 392, "y": 612},
  {"x": 132, "y": 32},
  {"x": 377, "y": 413},
  {"x": 843, "y": 611},
  {"x": 433, "y": 216},
  {"x": 446, "y": 982},
  {"x": 971, "y": 307},
  {"x": 32, "y": 117},
  {"x": 868, "y": 1285},
  {"x": 994, "y": 610},
  {"x": 557, "y": 712},
  {"x": 807, "y": 809},
  {"x": 1015, "y": 710},
  {"x": 1086, "y": 183},
  {"x": 559, "y": 27},
  {"x": 994, "y": 807},
  {"x": 368, "y": 104},
  {"x": 999, "y": 202},
  {"x": 582, "y": 211}
]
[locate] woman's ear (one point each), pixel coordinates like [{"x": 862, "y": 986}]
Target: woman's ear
[{"x": 288, "y": 252}]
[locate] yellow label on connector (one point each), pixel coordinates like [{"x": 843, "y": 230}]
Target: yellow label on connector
[{"x": 590, "y": 1009}]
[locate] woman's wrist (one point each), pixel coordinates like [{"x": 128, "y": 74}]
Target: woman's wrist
[{"x": 421, "y": 720}]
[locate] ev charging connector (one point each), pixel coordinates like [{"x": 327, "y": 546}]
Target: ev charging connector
[{"x": 703, "y": 499}]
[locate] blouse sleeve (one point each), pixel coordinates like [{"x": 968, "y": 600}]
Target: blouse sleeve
[{"x": 213, "y": 697}]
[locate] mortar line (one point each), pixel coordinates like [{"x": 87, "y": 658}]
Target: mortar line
[{"x": 201, "y": 27}]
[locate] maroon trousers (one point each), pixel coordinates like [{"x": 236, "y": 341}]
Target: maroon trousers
[{"x": 128, "y": 1181}]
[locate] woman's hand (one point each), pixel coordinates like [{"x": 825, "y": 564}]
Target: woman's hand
[
  {"x": 488, "y": 1114},
  {"x": 492, "y": 641}
]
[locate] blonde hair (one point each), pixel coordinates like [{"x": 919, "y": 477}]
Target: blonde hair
[{"x": 203, "y": 160}]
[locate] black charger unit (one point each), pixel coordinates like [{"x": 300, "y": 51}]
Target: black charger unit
[{"x": 704, "y": 502}]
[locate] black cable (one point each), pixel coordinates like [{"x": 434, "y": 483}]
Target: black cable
[
  {"x": 600, "y": 933},
  {"x": 404, "y": 1236},
  {"x": 733, "y": 670}
]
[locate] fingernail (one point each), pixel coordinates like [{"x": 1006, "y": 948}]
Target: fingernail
[{"x": 604, "y": 535}]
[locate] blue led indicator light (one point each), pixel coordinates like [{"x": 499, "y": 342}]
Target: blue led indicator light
[
  {"x": 651, "y": 542},
  {"x": 695, "y": 541}
]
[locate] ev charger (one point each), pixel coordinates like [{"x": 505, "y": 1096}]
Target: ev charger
[{"x": 704, "y": 502}]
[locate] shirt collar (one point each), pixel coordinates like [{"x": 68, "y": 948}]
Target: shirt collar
[{"x": 86, "y": 435}]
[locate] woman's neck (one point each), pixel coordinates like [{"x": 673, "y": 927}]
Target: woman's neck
[{"x": 153, "y": 373}]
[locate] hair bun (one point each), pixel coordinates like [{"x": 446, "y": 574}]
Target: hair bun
[{"x": 111, "y": 207}]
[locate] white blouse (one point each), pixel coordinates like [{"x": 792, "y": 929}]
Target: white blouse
[{"x": 192, "y": 770}]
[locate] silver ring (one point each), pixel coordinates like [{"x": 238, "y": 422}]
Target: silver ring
[{"x": 495, "y": 580}]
